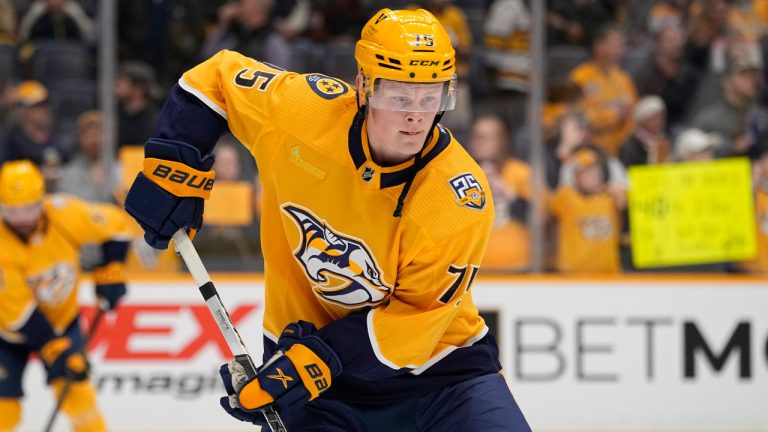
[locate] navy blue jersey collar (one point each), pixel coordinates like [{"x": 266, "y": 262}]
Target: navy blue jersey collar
[{"x": 437, "y": 141}]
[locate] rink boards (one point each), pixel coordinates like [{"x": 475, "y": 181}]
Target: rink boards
[{"x": 631, "y": 354}]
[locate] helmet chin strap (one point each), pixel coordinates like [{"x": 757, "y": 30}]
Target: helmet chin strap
[{"x": 362, "y": 112}]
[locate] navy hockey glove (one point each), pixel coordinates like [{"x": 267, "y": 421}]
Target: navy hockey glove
[
  {"x": 63, "y": 359},
  {"x": 110, "y": 294},
  {"x": 169, "y": 193},
  {"x": 300, "y": 371},
  {"x": 110, "y": 280}
]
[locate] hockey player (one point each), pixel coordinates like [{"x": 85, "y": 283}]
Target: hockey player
[
  {"x": 41, "y": 238},
  {"x": 374, "y": 224}
]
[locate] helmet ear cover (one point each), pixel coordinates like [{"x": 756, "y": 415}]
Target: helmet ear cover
[{"x": 406, "y": 46}]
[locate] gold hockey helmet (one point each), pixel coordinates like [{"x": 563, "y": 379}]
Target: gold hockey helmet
[
  {"x": 406, "y": 46},
  {"x": 21, "y": 183}
]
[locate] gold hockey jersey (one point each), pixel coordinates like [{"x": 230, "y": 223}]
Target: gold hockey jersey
[
  {"x": 391, "y": 295},
  {"x": 43, "y": 272}
]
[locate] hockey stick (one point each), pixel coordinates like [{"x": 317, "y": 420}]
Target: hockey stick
[
  {"x": 68, "y": 381},
  {"x": 188, "y": 253}
]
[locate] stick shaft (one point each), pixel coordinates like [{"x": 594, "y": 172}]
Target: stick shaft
[
  {"x": 67, "y": 381},
  {"x": 235, "y": 343}
]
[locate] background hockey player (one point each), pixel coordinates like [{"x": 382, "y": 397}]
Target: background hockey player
[
  {"x": 41, "y": 238},
  {"x": 374, "y": 224}
]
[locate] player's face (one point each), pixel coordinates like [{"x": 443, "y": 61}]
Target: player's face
[
  {"x": 400, "y": 118},
  {"x": 23, "y": 218}
]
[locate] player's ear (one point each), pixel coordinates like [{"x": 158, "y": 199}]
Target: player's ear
[{"x": 360, "y": 84}]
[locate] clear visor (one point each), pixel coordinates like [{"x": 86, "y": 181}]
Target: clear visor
[{"x": 413, "y": 97}]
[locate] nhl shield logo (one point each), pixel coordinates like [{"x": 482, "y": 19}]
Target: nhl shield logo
[
  {"x": 368, "y": 173},
  {"x": 468, "y": 191}
]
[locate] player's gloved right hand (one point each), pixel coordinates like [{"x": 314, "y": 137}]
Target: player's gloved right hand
[
  {"x": 170, "y": 191},
  {"x": 300, "y": 371},
  {"x": 64, "y": 360}
]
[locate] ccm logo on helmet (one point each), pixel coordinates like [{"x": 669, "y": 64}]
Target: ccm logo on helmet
[
  {"x": 424, "y": 63},
  {"x": 179, "y": 176}
]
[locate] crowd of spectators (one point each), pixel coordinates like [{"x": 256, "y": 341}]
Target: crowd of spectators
[{"x": 628, "y": 83}]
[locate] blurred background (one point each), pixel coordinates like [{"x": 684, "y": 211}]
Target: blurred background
[{"x": 625, "y": 142}]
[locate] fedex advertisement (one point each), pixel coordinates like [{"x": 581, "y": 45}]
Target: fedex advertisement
[
  {"x": 618, "y": 355},
  {"x": 155, "y": 360}
]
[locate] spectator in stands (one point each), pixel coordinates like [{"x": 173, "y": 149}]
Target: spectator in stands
[
  {"x": 668, "y": 13},
  {"x": 291, "y": 18},
  {"x": 760, "y": 184},
  {"x": 588, "y": 218},
  {"x": 136, "y": 111},
  {"x": 244, "y": 26},
  {"x": 85, "y": 175},
  {"x": 575, "y": 22},
  {"x": 165, "y": 34},
  {"x": 736, "y": 115},
  {"x": 693, "y": 145},
  {"x": 617, "y": 179},
  {"x": 30, "y": 136},
  {"x": 726, "y": 29},
  {"x": 56, "y": 20},
  {"x": 337, "y": 21},
  {"x": 649, "y": 143},
  {"x": 506, "y": 40},
  {"x": 7, "y": 22},
  {"x": 6, "y": 107},
  {"x": 509, "y": 178},
  {"x": 668, "y": 75},
  {"x": 572, "y": 131},
  {"x": 563, "y": 97},
  {"x": 455, "y": 23},
  {"x": 609, "y": 93},
  {"x": 229, "y": 247}
]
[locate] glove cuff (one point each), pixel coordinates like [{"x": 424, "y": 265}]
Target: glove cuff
[
  {"x": 178, "y": 151},
  {"x": 53, "y": 349},
  {"x": 112, "y": 273}
]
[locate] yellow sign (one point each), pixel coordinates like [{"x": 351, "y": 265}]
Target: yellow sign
[
  {"x": 231, "y": 203},
  {"x": 131, "y": 162},
  {"x": 691, "y": 213}
]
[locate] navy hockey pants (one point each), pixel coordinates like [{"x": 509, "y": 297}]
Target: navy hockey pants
[
  {"x": 480, "y": 404},
  {"x": 14, "y": 358}
]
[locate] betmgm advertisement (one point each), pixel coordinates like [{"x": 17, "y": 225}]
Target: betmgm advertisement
[{"x": 630, "y": 355}]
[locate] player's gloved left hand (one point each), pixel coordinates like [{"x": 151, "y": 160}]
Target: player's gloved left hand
[
  {"x": 300, "y": 371},
  {"x": 63, "y": 359},
  {"x": 110, "y": 294}
]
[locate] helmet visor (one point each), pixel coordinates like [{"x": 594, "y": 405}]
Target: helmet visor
[{"x": 412, "y": 97}]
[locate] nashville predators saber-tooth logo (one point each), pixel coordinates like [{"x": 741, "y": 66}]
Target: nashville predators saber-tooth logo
[
  {"x": 341, "y": 268},
  {"x": 53, "y": 285}
]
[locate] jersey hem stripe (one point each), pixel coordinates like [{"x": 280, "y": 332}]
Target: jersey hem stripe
[
  {"x": 269, "y": 335},
  {"x": 444, "y": 353},
  {"x": 375, "y": 345}
]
